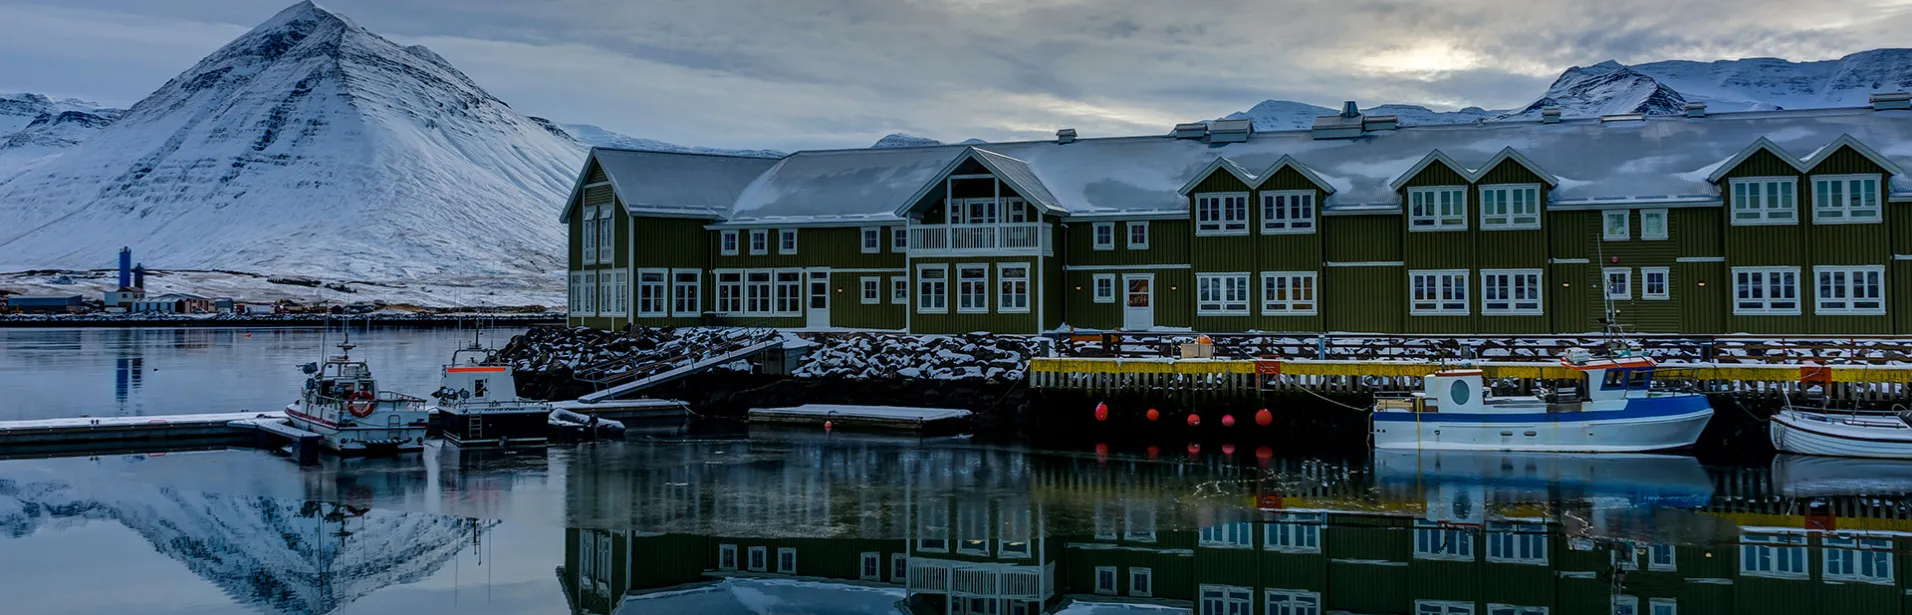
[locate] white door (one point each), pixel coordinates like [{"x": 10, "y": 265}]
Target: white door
[
  {"x": 819, "y": 300},
  {"x": 1138, "y": 303}
]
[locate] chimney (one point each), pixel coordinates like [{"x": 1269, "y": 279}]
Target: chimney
[
  {"x": 139, "y": 277},
  {"x": 1890, "y": 100},
  {"x": 1349, "y": 109},
  {"x": 1696, "y": 108},
  {"x": 125, "y": 267},
  {"x": 1066, "y": 135},
  {"x": 1550, "y": 115}
]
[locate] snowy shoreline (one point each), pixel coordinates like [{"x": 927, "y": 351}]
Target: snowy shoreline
[{"x": 130, "y": 321}]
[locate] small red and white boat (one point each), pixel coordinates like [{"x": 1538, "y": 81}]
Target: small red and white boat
[{"x": 342, "y": 403}]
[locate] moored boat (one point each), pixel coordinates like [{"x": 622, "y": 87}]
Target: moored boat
[
  {"x": 1879, "y": 435},
  {"x": 1614, "y": 409},
  {"x": 342, "y": 403},
  {"x": 478, "y": 403}
]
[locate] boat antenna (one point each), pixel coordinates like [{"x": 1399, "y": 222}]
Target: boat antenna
[{"x": 1610, "y": 322}]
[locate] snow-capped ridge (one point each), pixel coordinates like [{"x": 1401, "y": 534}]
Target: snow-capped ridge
[
  {"x": 898, "y": 139},
  {"x": 599, "y": 137}
]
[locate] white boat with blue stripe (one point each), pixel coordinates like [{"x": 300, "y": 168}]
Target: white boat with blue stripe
[{"x": 1614, "y": 409}]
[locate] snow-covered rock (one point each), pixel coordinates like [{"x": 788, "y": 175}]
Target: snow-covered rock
[
  {"x": 1767, "y": 83},
  {"x": 593, "y": 135},
  {"x": 898, "y": 139},
  {"x": 35, "y": 128},
  {"x": 873, "y": 356},
  {"x": 1272, "y": 115},
  {"x": 1604, "y": 89}
]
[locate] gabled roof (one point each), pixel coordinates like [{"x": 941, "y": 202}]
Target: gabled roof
[
  {"x": 1509, "y": 153},
  {"x": 1222, "y": 163},
  {"x": 672, "y": 183},
  {"x": 1845, "y": 140},
  {"x": 1011, "y": 171},
  {"x": 1289, "y": 162},
  {"x": 1727, "y": 166},
  {"x": 1431, "y": 157}
]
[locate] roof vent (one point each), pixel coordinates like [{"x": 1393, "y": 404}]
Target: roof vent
[
  {"x": 1696, "y": 108},
  {"x": 1891, "y": 100},
  {"x": 1066, "y": 135},
  {"x": 1622, "y": 117},
  {"x": 1230, "y": 131},
  {"x": 1550, "y": 115},
  {"x": 1371, "y": 123},
  {"x": 1345, "y": 125},
  {"x": 1191, "y": 130},
  {"x": 1349, "y": 109}
]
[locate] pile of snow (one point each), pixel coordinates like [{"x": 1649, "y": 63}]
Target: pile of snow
[{"x": 871, "y": 356}]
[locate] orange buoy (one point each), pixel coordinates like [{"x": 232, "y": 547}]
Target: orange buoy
[
  {"x": 1228, "y": 420},
  {"x": 1264, "y": 453},
  {"x": 1101, "y": 452},
  {"x": 1194, "y": 448},
  {"x": 1194, "y": 420},
  {"x": 1154, "y": 414},
  {"x": 1102, "y": 412},
  {"x": 1154, "y": 451},
  {"x": 828, "y": 425},
  {"x": 1264, "y": 418},
  {"x": 1228, "y": 448}
]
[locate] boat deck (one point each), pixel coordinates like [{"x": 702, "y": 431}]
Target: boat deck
[
  {"x": 132, "y": 434},
  {"x": 879, "y": 418}
]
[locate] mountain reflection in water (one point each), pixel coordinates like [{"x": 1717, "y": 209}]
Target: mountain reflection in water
[{"x": 879, "y": 525}]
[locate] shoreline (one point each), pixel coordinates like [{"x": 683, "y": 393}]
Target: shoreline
[{"x": 415, "y": 322}]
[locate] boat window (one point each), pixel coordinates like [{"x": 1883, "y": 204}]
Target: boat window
[
  {"x": 1640, "y": 379},
  {"x": 1616, "y": 378},
  {"x": 478, "y": 388}
]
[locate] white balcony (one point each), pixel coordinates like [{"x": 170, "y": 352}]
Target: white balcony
[{"x": 980, "y": 239}]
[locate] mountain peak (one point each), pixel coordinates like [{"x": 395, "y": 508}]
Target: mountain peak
[
  {"x": 898, "y": 139},
  {"x": 303, "y": 12}
]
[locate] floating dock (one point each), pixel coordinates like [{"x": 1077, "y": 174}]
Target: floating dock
[
  {"x": 628, "y": 409},
  {"x": 95, "y": 435},
  {"x": 872, "y": 418}
]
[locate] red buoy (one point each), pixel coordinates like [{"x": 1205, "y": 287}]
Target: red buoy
[
  {"x": 1153, "y": 414},
  {"x": 1264, "y": 453},
  {"x": 1264, "y": 418},
  {"x": 1154, "y": 451},
  {"x": 1228, "y": 448},
  {"x": 1194, "y": 419},
  {"x": 1102, "y": 412},
  {"x": 1194, "y": 448},
  {"x": 828, "y": 425},
  {"x": 1101, "y": 452},
  {"x": 1228, "y": 420}
]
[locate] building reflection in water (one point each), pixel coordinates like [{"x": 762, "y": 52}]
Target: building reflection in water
[{"x": 870, "y": 526}]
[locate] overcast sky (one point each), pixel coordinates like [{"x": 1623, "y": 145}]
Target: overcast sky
[{"x": 791, "y": 74}]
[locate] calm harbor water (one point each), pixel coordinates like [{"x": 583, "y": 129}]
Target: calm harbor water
[{"x": 799, "y": 522}]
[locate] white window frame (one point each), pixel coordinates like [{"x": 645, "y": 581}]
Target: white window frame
[
  {"x": 1756, "y": 202},
  {"x": 899, "y": 290},
  {"x": 695, "y": 297},
  {"x": 1626, "y": 283},
  {"x": 574, "y": 299},
  {"x": 760, "y": 297},
  {"x": 1763, "y": 280},
  {"x": 1297, "y": 283},
  {"x": 928, "y": 302},
  {"x": 872, "y": 239},
  {"x": 1278, "y": 212},
  {"x": 1224, "y": 600},
  {"x": 900, "y": 568},
  {"x": 1502, "y": 207},
  {"x": 871, "y": 288},
  {"x": 1005, "y": 299},
  {"x": 1095, "y": 287},
  {"x": 1442, "y": 542},
  {"x": 899, "y": 239},
  {"x": 735, "y": 295},
  {"x": 728, "y": 243},
  {"x": 726, "y": 553},
  {"x": 1518, "y": 543},
  {"x": 1109, "y": 588},
  {"x": 1294, "y": 533},
  {"x": 1135, "y": 226},
  {"x": 1841, "y": 210},
  {"x": 1842, "y": 558},
  {"x": 1647, "y": 232},
  {"x": 963, "y": 297},
  {"x": 786, "y": 291},
  {"x": 1531, "y": 279},
  {"x": 590, "y": 235},
  {"x": 787, "y": 241},
  {"x": 1293, "y": 602},
  {"x": 868, "y": 560},
  {"x": 789, "y": 553},
  {"x": 1848, "y": 294},
  {"x": 1226, "y": 301},
  {"x": 1624, "y": 217},
  {"x": 1147, "y": 577},
  {"x": 1102, "y": 236},
  {"x": 1426, "y": 212},
  {"x": 607, "y": 234},
  {"x": 1626, "y": 605},
  {"x": 1439, "y": 283},
  {"x": 1220, "y": 214},
  {"x": 1665, "y": 291},
  {"x": 1138, "y": 522},
  {"x": 1013, "y": 530},
  {"x": 1766, "y": 555},
  {"x": 1227, "y": 535},
  {"x": 1443, "y": 607},
  {"x": 759, "y": 241},
  {"x": 759, "y": 559},
  {"x": 1663, "y": 606},
  {"x": 1670, "y": 563},
  {"x": 1495, "y": 608}
]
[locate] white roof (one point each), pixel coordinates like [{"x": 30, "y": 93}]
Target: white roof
[{"x": 676, "y": 183}]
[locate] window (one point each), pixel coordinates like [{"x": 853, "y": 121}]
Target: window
[
  {"x": 1438, "y": 293},
  {"x": 1764, "y": 200},
  {"x": 786, "y": 560},
  {"x": 1509, "y": 207},
  {"x": 872, "y": 240},
  {"x": 1225, "y": 600},
  {"x": 1619, "y": 282},
  {"x": 1510, "y": 291},
  {"x": 787, "y": 241},
  {"x": 972, "y": 525},
  {"x": 1654, "y": 283},
  {"x": 972, "y": 288},
  {"x": 590, "y": 293},
  {"x": 1104, "y": 235},
  {"x": 1287, "y": 212},
  {"x": 1138, "y": 235},
  {"x": 1291, "y": 602},
  {"x": 933, "y": 526},
  {"x": 1141, "y": 582},
  {"x": 1508, "y": 609},
  {"x": 1288, "y": 293},
  {"x": 1626, "y": 553},
  {"x": 1239, "y": 534},
  {"x": 1653, "y": 224},
  {"x": 1615, "y": 225},
  {"x": 1105, "y": 514},
  {"x": 730, "y": 292},
  {"x": 652, "y": 292},
  {"x": 1626, "y": 605},
  {"x": 1517, "y": 543},
  {"x": 1295, "y": 533},
  {"x": 1103, "y": 285},
  {"x": 759, "y": 242},
  {"x": 1012, "y": 293},
  {"x": 899, "y": 239},
  {"x": 573, "y": 303},
  {"x": 1663, "y": 606},
  {"x": 1867, "y": 560},
  {"x": 1105, "y": 580},
  {"x": 1766, "y": 290},
  {"x": 1773, "y": 555},
  {"x": 872, "y": 289},
  {"x": 1141, "y": 523},
  {"x": 900, "y": 290},
  {"x": 609, "y": 299},
  {"x": 1845, "y": 199},
  {"x": 1442, "y": 607},
  {"x": 1850, "y": 290},
  {"x": 759, "y": 560},
  {"x": 590, "y": 235},
  {"x": 1221, "y": 214},
  {"x": 1433, "y": 541},
  {"x": 1221, "y": 294},
  {"x": 686, "y": 292},
  {"x": 607, "y": 247},
  {"x": 727, "y": 243},
  {"x": 789, "y": 292},
  {"x": 932, "y": 289},
  {"x": 726, "y": 557},
  {"x": 1437, "y": 209},
  {"x": 1662, "y": 558},
  {"x": 899, "y": 568},
  {"x": 1013, "y": 533}
]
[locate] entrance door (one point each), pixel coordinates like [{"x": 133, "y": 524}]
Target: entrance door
[
  {"x": 819, "y": 301},
  {"x": 1138, "y": 305}
]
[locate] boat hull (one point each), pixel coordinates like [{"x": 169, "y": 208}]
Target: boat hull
[
  {"x": 1795, "y": 432},
  {"x": 1656, "y": 423},
  {"x": 525, "y": 426},
  {"x": 406, "y": 437}
]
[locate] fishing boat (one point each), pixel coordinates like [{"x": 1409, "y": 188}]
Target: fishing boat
[
  {"x": 1854, "y": 433},
  {"x": 1612, "y": 408},
  {"x": 478, "y": 403},
  {"x": 342, "y": 403}
]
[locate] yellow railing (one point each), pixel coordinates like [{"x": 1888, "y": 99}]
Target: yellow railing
[{"x": 1489, "y": 369}]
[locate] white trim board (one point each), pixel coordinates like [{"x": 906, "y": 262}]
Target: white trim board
[
  {"x": 1700, "y": 259},
  {"x": 1569, "y": 261},
  {"x": 1120, "y": 267},
  {"x": 1367, "y": 264}
]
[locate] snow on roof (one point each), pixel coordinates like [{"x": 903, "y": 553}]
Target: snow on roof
[
  {"x": 758, "y": 596},
  {"x": 675, "y": 182},
  {"x": 1663, "y": 158}
]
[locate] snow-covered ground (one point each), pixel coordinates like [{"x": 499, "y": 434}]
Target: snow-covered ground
[
  {"x": 751, "y": 596},
  {"x": 438, "y": 291}
]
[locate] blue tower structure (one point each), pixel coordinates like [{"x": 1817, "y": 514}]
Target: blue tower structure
[{"x": 126, "y": 268}]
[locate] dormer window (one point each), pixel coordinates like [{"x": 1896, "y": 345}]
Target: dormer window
[
  {"x": 1845, "y": 199},
  {"x": 1287, "y": 212},
  {"x": 1442, "y": 208},
  {"x": 1764, "y": 200},
  {"x": 1221, "y": 214},
  {"x": 1509, "y": 207}
]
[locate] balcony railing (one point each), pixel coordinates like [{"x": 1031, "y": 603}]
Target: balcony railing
[{"x": 979, "y": 238}]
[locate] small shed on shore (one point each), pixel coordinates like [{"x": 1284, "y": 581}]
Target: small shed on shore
[{"x": 47, "y": 303}]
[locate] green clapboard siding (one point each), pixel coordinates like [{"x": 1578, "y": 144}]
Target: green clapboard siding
[
  {"x": 1633, "y": 254},
  {"x": 1363, "y": 239},
  {"x": 953, "y": 321},
  {"x": 847, "y": 308},
  {"x": 1899, "y": 286},
  {"x": 669, "y": 243},
  {"x": 1168, "y": 244},
  {"x": 1696, "y": 231},
  {"x": 1363, "y": 299},
  {"x": 1765, "y": 245}
]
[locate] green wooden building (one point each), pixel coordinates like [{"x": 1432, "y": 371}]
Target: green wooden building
[{"x": 1771, "y": 222}]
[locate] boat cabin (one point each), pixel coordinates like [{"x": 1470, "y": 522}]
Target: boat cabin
[
  {"x": 1602, "y": 380},
  {"x": 341, "y": 379},
  {"x": 473, "y": 377}
]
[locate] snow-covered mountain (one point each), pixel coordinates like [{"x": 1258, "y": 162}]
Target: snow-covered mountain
[
  {"x": 1270, "y": 115},
  {"x": 898, "y": 139},
  {"x": 34, "y": 128},
  {"x": 1604, "y": 89},
  {"x": 1765, "y": 83},
  {"x": 592, "y": 135},
  {"x": 307, "y": 146}
]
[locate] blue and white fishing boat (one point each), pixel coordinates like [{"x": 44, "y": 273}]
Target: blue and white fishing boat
[{"x": 1614, "y": 409}]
